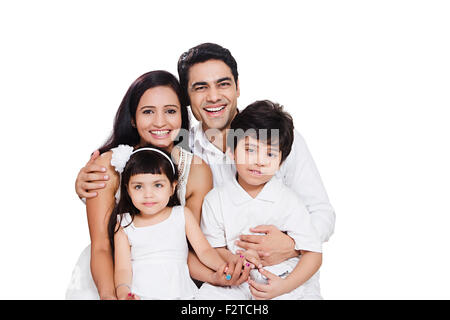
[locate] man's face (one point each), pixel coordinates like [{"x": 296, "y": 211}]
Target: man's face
[{"x": 213, "y": 94}]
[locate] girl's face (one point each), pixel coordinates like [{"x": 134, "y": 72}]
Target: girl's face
[
  {"x": 150, "y": 193},
  {"x": 158, "y": 117}
]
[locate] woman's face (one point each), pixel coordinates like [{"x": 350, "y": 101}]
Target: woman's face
[{"x": 158, "y": 117}]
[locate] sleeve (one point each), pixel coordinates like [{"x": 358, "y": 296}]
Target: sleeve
[
  {"x": 212, "y": 223},
  {"x": 298, "y": 225},
  {"x": 299, "y": 173}
]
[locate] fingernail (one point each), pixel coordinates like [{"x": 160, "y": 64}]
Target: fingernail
[
  {"x": 247, "y": 264},
  {"x": 129, "y": 294},
  {"x": 228, "y": 277},
  {"x": 102, "y": 184},
  {"x": 103, "y": 169},
  {"x": 106, "y": 177},
  {"x": 241, "y": 256}
]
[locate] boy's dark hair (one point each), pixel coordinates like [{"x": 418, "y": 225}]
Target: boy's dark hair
[
  {"x": 145, "y": 161},
  {"x": 202, "y": 53},
  {"x": 264, "y": 120}
]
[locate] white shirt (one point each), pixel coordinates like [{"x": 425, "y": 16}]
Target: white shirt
[
  {"x": 298, "y": 172},
  {"x": 229, "y": 211}
]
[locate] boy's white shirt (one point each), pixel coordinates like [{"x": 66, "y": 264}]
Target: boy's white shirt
[
  {"x": 298, "y": 172},
  {"x": 229, "y": 211}
]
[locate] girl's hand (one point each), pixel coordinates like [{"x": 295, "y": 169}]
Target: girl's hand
[
  {"x": 274, "y": 287},
  {"x": 251, "y": 257},
  {"x": 235, "y": 270}
]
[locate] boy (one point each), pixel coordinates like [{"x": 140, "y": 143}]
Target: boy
[{"x": 260, "y": 139}]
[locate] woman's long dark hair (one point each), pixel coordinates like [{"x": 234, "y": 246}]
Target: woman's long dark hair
[
  {"x": 145, "y": 161},
  {"x": 123, "y": 131}
]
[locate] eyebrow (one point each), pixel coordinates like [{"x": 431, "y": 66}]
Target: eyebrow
[
  {"x": 269, "y": 148},
  {"x": 203, "y": 83},
  {"x": 156, "y": 181},
  {"x": 165, "y": 106}
]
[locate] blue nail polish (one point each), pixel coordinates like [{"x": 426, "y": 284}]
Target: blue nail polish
[{"x": 228, "y": 277}]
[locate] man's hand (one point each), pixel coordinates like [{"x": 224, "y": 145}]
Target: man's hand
[
  {"x": 273, "y": 247},
  {"x": 90, "y": 178}
]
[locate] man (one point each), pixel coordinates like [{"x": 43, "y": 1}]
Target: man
[{"x": 208, "y": 75}]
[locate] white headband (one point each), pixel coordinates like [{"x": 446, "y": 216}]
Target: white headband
[{"x": 159, "y": 151}]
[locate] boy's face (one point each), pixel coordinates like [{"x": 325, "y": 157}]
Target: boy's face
[
  {"x": 256, "y": 161},
  {"x": 213, "y": 94}
]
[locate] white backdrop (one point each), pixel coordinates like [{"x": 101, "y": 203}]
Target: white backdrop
[{"x": 366, "y": 81}]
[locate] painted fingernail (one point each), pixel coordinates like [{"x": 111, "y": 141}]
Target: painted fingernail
[
  {"x": 241, "y": 256},
  {"x": 129, "y": 294},
  {"x": 247, "y": 264},
  {"x": 228, "y": 277}
]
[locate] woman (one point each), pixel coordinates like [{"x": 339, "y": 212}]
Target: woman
[{"x": 153, "y": 111}]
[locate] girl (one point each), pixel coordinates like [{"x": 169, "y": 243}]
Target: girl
[{"x": 148, "y": 230}]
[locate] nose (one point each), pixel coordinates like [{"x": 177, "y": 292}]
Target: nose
[
  {"x": 262, "y": 159},
  {"x": 159, "y": 119},
  {"x": 213, "y": 95}
]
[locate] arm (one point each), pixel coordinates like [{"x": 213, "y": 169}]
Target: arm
[
  {"x": 98, "y": 212},
  {"x": 202, "y": 248},
  {"x": 199, "y": 183},
  {"x": 308, "y": 265},
  {"x": 91, "y": 178},
  {"x": 123, "y": 273}
]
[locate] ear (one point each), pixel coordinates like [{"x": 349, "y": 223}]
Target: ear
[
  {"x": 133, "y": 123},
  {"x": 174, "y": 185},
  {"x": 238, "y": 90}
]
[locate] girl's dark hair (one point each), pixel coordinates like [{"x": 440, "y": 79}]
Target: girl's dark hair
[
  {"x": 260, "y": 115},
  {"x": 201, "y": 53},
  {"x": 145, "y": 161},
  {"x": 123, "y": 131}
]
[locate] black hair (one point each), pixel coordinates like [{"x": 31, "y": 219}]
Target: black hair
[
  {"x": 145, "y": 161},
  {"x": 123, "y": 130},
  {"x": 264, "y": 120},
  {"x": 201, "y": 53}
]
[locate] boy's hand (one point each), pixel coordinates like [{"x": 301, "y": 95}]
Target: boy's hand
[
  {"x": 274, "y": 287},
  {"x": 273, "y": 247},
  {"x": 90, "y": 178}
]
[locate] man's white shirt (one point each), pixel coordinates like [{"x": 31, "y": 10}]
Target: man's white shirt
[{"x": 298, "y": 172}]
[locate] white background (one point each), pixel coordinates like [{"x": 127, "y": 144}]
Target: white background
[{"x": 366, "y": 81}]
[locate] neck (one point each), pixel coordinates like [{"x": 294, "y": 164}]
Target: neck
[
  {"x": 252, "y": 190},
  {"x": 218, "y": 137}
]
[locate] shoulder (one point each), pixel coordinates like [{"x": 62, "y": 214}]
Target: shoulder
[{"x": 200, "y": 174}]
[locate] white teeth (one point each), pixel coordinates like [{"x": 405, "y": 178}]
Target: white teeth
[
  {"x": 214, "y": 109},
  {"x": 160, "y": 132}
]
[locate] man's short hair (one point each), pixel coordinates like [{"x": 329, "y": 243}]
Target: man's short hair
[
  {"x": 202, "y": 53},
  {"x": 266, "y": 121}
]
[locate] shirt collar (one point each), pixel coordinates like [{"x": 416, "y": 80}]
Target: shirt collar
[{"x": 270, "y": 192}]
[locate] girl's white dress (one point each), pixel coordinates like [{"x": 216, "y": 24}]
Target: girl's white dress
[
  {"x": 159, "y": 258},
  {"x": 82, "y": 286}
]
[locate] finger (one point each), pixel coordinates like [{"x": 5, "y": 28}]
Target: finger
[
  {"x": 255, "y": 261},
  {"x": 263, "y": 228},
  {"x": 94, "y": 155},
  {"x": 94, "y": 168},
  {"x": 88, "y": 195},
  {"x": 267, "y": 274},
  {"x": 246, "y": 245},
  {"x": 261, "y": 287},
  {"x": 251, "y": 238},
  {"x": 95, "y": 177},
  {"x": 92, "y": 186},
  {"x": 244, "y": 275},
  {"x": 258, "y": 295}
]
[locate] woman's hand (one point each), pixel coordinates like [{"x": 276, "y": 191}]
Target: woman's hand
[{"x": 90, "y": 178}]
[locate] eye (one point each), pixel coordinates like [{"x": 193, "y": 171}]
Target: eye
[
  {"x": 224, "y": 84},
  {"x": 148, "y": 111},
  {"x": 250, "y": 150},
  {"x": 159, "y": 185},
  {"x": 200, "y": 88},
  {"x": 171, "y": 111},
  {"x": 137, "y": 187}
]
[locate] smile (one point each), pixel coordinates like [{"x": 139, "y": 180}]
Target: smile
[
  {"x": 255, "y": 172},
  {"x": 160, "y": 133},
  {"x": 149, "y": 204},
  {"x": 214, "y": 111}
]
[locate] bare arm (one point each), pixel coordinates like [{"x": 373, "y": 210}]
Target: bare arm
[
  {"x": 202, "y": 248},
  {"x": 123, "y": 273},
  {"x": 91, "y": 178},
  {"x": 98, "y": 212}
]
